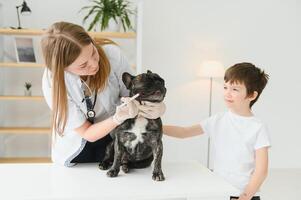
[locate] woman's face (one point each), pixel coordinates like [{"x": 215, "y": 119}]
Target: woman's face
[{"x": 86, "y": 63}]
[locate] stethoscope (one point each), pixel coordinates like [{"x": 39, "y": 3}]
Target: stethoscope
[{"x": 90, "y": 106}]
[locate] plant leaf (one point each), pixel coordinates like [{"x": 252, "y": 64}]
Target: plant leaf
[
  {"x": 89, "y": 13},
  {"x": 109, "y": 9},
  {"x": 95, "y": 20}
]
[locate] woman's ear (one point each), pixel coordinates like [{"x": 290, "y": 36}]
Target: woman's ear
[{"x": 127, "y": 79}]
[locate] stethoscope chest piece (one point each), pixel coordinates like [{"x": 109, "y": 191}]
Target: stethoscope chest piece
[
  {"x": 90, "y": 106},
  {"x": 91, "y": 113}
]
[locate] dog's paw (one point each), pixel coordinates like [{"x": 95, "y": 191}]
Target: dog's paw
[
  {"x": 158, "y": 176},
  {"x": 125, "y": 168},
  {"x": 112, "y": 173},
  {"x": 104, "y": 165}
]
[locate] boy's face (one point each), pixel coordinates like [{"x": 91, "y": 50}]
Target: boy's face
[{"x": 235, "y": 96}]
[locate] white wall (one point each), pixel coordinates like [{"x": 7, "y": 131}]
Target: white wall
[
  {"x": 179, "y": 35},
  {"x": 44, "y": 13}
]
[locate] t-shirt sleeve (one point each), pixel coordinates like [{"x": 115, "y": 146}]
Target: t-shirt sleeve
[
  {"x": 119, "y": 64},
  {"x": 208, "y": 125},
  {"x": 262, "y": 139},
  {"x": 75, "y": 117}
]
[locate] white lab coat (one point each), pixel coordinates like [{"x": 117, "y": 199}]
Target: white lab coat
[{"x": 65, "y": 148}]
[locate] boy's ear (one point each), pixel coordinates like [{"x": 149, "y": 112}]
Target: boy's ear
[
  {"x": 253, "y": 96},
  {"x": 127, "y": 79}
]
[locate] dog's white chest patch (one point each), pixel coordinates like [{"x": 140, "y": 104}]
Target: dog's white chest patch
[{"x": 137, "y": 129}]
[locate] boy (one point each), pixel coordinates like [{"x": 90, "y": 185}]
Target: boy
[{"x": 240, "y": 141}]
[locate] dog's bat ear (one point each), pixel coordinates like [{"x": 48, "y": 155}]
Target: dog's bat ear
[
  {"x": 149, "y": 72},
  {"x": 127, "y": 79}
]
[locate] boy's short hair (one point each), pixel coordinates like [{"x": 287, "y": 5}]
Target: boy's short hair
[{"x": 248, "y": 74}]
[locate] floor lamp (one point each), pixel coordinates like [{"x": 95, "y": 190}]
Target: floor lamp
[{"x": 211, "y": 69}]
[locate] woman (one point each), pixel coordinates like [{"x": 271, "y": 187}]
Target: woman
[{"x": 82, "y": 85}]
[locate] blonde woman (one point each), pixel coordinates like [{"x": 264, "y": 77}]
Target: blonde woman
[{"x": 83, "y": 87}]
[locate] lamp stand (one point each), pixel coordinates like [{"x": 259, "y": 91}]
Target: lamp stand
[
  {"x": 210, "y": 101},
  {"x": 19, "y": 23}
]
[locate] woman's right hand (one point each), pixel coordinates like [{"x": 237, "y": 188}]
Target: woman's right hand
[{"x": 124, "y": 112}]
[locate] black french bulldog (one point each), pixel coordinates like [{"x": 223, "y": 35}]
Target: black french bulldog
[{"x": 138, "y": 141}]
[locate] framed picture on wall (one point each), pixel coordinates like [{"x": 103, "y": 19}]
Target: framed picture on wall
[{"x": 24, "y": 49}]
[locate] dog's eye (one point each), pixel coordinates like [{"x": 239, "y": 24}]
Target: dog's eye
[{"x": 157, "y": 82}]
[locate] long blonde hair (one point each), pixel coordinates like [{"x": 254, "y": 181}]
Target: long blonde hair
[{"x": 61, "y": 45}]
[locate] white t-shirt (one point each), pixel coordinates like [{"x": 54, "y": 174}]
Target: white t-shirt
[
  {"x": 234, "y": 140},
  {"x": 65, "y": 148}
]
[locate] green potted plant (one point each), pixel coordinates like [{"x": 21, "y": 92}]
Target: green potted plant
[
  {"x": 107, "y": 11},
  {"x": 27, "y": 91}
]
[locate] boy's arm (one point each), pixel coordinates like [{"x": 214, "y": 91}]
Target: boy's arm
[
  {"x": 183, "y": 132},
  {"x": 259, "y": 174}
]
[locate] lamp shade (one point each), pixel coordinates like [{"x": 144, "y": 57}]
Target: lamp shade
[
  {"x": 211, "y": 69},
  {"x": 25, "y": 10}
]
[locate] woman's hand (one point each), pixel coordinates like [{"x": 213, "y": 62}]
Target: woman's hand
[
  {"x": 124, "y": 112},
  {"x": 151, "y": 110}
]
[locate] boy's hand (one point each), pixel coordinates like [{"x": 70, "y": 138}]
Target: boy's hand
[
  {"x": 151, "y": 110},
  {"x": 244, "y": 196}
]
